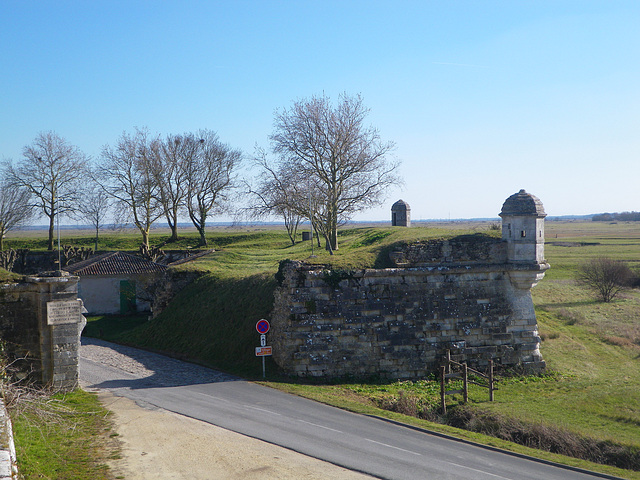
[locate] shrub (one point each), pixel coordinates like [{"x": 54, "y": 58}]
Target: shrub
[{"x": 605, "y": 276}]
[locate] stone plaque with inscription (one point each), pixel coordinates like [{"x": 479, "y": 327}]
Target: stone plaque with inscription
[{"x": 59, "y": 313}]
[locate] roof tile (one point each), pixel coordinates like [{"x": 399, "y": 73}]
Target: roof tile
[{"x": 114, "y": 263}]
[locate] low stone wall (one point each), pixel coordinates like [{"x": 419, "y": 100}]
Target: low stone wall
[{"x": 400, "y": 322}]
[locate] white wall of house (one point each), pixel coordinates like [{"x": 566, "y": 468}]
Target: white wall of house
[{"x": 101, "y": 294}]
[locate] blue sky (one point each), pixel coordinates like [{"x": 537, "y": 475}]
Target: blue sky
[{"x": 481, "y": 97}]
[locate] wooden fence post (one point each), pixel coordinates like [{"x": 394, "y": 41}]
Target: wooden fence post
[
  {"x": 465, "y": 387},
  {"x": 491, "y": 380},
  {"x": 448, "y": 361},
  {"x": 443, "y": 401}
]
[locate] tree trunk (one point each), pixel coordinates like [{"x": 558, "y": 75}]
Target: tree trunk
[
  {"x": 203, "y": 238},
  {"x": 97, "y": 232},
  {"x": 328, "y": 245},
  {"x": 333, "y": 228},
  {"x": 174, "y": 230},
  {"x": 51, "y": 225},
  {"x": 145, "y": 237},
  {"x": 174, "y": 234},
  {"x": 291, "y": 230}
]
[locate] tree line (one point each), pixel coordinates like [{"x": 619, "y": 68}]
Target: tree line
[
  {"x": 622, "y": 217},
  {"x": 324, "y": 165}
]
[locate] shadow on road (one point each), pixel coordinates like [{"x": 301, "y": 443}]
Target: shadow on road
[{"x": 142, "y": 369}]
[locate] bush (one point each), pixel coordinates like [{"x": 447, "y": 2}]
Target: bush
[{"x": 605, "y": 276}]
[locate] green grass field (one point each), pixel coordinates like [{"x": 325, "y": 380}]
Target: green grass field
[{"x": 592, "y": 349}]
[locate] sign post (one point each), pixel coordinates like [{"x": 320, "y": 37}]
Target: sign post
[{"x": 263, "y": 350}]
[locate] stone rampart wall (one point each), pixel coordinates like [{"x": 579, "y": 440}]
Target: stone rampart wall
[{"x": 399, "y": 322}]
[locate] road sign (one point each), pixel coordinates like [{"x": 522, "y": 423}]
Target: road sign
[
  {"x": 262, "y": 326},
  {"x": 263, "y": 340},
  {"x": 263, "y": 351}
]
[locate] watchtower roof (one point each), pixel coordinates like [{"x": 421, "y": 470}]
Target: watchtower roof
[
  {"x": 523, "y": 203},
  {"x": 400, "y": 205}
]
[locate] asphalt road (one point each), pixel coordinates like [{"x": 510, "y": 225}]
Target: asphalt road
[{"x": 365, "y": 444}]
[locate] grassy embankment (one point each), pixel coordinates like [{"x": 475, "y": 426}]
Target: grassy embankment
[{"x": 592, "y": 349}]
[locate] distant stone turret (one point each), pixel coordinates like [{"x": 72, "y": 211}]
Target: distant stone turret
[{"x": 400, "y": 214}]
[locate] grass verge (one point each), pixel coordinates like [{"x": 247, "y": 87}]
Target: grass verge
[{"x": 64, "y": 436}]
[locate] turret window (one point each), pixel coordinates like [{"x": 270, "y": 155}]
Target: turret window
[{"x": 523, "y": 233}]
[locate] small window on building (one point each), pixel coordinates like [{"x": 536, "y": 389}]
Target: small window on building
[{"x": 523, "y": 233}]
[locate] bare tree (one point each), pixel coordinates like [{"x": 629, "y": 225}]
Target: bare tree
[
  {"x": 52, "y": 170},
  {"x": 126, "y": 174},
  {"x": 605, "y": 276},
  {"x": 166, "y": 165},
  {"x": 94, "y": 208},
  {"x": 15, "y": 207},
  {"x": 345, "y": 160},
  {"x": 209, "y": 173},
  {"x": 278, "y": 192}
]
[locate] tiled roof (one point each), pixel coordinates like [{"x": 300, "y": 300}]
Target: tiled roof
[{"x": 114, "y": 263}]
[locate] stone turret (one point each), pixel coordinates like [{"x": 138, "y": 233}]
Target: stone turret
[
  {"x": 523, "y": 228},
  {"x": 523, "y": 231},
  {"x": 400, "y": 214}
]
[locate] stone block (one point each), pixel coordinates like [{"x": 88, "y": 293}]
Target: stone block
[
  {"x": 502, "y": 337},
  {"x": 523, "y": 347}
]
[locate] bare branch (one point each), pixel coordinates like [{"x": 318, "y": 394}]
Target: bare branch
[{"x": 15, "y": 205}]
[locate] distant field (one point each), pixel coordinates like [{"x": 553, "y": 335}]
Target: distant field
[{"x": 161, "y": 233}]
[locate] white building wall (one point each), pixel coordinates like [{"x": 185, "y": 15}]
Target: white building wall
[{"x": 100, "y": 294}]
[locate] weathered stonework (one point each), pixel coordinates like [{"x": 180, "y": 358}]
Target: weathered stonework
[
  {"x": 466, "y": 294},
  {"x": 43, "y": 348}
]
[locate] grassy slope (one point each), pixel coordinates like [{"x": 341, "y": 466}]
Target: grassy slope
[{"x": 595, "y": 345}]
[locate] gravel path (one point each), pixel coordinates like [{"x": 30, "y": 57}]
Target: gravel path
[{"x": 157, "y": 369}]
